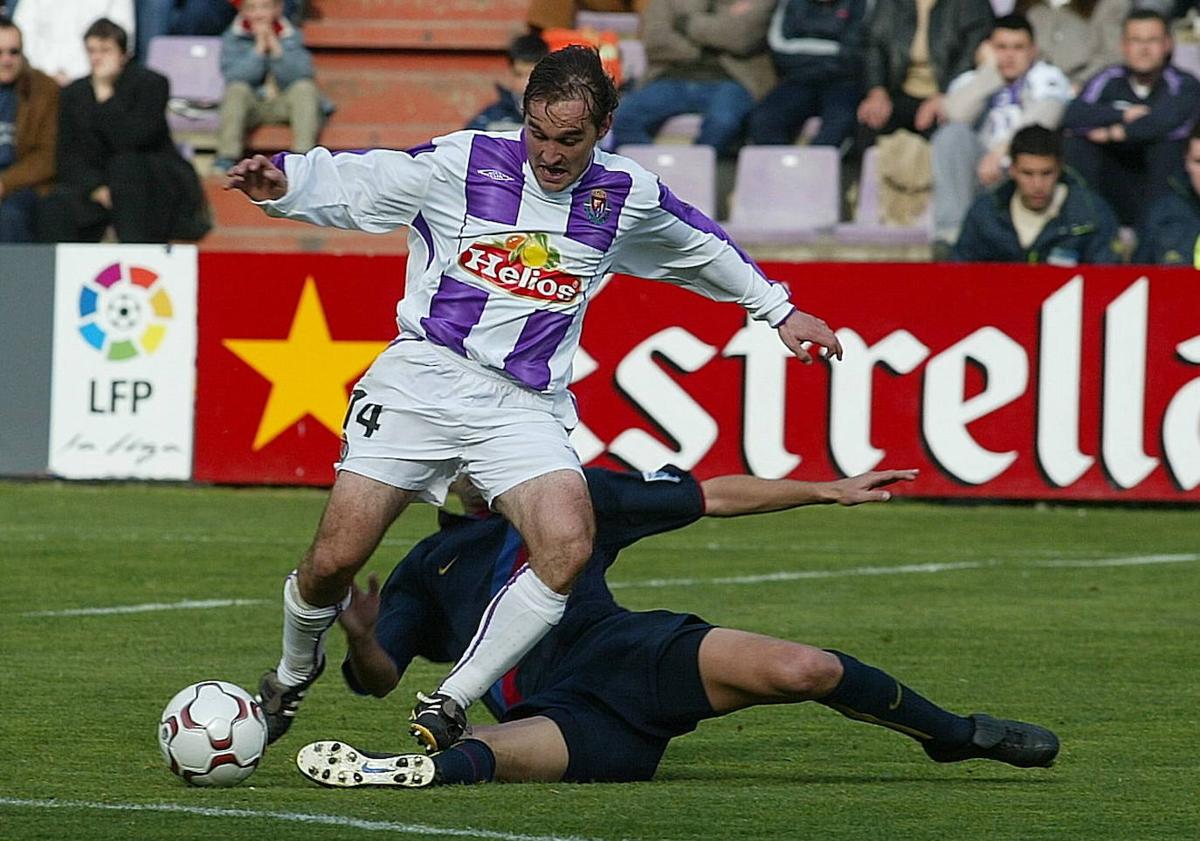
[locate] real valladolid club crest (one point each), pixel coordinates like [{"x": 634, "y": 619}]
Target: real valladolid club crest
[{"x": 597, "y": 207}]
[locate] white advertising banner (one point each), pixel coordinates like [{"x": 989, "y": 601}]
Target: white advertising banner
[{"x": 124, "y": 370}]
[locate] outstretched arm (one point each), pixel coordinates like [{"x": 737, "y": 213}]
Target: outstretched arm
[
  {"x": 734, "y": 496},
  {"x": 374, "y": 669}
]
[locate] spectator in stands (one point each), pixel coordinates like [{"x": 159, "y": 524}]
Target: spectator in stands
[
  {"x": 1129, "y": 126},
  {"x": 1080, "y": 37},
  {"x": 28, "y": 131},
  {"x": 116, "y": 162},
  {"x": 1008, "y": 90},
  {"x": 914, "y": 49},
  {"x": 560, "y": 14},
  {"x": 190, "y": 17},
  {"x": 53, "y": 32},
  {"x": 505, "y": 113},
  {"x": 1042, "y": 215},
  {"x": 269, "y": 79},
  {"x": 817, "y": 47},
  {"x": 1171, "y": 233},
  {"x": 705, "y": 56}
]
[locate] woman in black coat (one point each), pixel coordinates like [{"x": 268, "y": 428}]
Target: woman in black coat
[{"x": 117, "y": 163}]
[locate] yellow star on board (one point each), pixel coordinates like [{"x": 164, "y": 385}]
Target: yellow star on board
[{"x": 309, "y": 370}]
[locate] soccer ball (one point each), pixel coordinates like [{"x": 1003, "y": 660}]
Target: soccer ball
[{"x": 212, "y": 733}]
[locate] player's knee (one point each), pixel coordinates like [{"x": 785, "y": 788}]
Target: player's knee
[
  {"x": 323, "y": 563},
  {"x": 807, "y": 673}
]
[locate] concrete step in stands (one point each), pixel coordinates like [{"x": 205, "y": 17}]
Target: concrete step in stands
[{"x": 415, "y": 24}]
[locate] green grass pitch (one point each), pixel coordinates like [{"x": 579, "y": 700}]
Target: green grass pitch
[{"x": 1016, "y": 618}]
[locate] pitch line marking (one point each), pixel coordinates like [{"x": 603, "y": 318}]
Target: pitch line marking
[
  {"x": 765, "y": 578},
  {"x": 186, "y": 604},
  {"x": 904, "y": 569},
  {"x": 292, "y": 817}
]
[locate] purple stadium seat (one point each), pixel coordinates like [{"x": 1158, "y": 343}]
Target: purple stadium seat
[
  {"x": 682, "y": 128},
  {"x": 1186, "y": 56},
  {"x": 633, "y": 59},
  {"x": 868, "y": 226},
  {"x": 625, "y": 24},
  {"x": 689, "y": 171},
  {"x": 192, "y": 64},
  {"x": 785, "y": 193}
]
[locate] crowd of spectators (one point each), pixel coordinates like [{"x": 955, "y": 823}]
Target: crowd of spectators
[
  {"x": 85, "y": 148},
  {"x": 1093, "y": 75},
  {"x": 1086, "y": 85}
]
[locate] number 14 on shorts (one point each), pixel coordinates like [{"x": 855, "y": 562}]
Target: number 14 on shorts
[{"x": 368, "y": 414}]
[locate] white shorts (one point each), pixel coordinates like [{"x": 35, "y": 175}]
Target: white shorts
[{"x": 422, "y": 415}]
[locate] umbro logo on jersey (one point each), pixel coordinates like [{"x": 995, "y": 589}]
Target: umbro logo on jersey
[{"x": 495, "y": 175}]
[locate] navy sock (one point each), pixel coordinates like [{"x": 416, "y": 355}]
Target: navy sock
[
  {"x": 868, "y": 694},
  {"x": 469, "y": 761}
]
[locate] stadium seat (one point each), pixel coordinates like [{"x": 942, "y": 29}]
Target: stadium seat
[
  {"x": 682, "y": 128},
  {"x": 1186, "y": 56},
  {"x": 785, "y": 194},
  {"x": 625, "y": 24},
  {"x": 868, "y": 226},
  {"x": 192, "y": 65},
  {"x": 633, "y": 59},
  {"x": 689, "y": 171}
]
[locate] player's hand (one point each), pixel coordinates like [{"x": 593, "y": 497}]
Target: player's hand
[
  {"x": 358, "y": 619},
  {"x": 800, "y": 327},
  {"x": 1134, "y": 112},
  {"x": 258, "y": 178},
  {"x": 868, "y": 487}
]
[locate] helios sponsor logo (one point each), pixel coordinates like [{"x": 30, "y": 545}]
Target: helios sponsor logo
[{"x": 525, "y": 265}]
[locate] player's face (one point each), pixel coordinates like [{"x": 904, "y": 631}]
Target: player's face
[
  {"x": 1145, "y": 45},
  {"x": 559, "y": 140},
  {"x": 1035, "y": 177},
  {"x": 11, "y": 60},
  {"x": 1192, "y": 162},
  {"x": 1014, "y": 52}
]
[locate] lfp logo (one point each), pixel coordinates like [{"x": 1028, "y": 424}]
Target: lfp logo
[{"x": 124, "y": 311}]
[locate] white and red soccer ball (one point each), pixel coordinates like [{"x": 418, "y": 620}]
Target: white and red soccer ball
[{"x": 212, "y": 733}]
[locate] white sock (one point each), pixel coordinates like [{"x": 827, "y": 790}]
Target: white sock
[
  {"x": 519, "y": 615},
  {"x": 304, "y": 629}
]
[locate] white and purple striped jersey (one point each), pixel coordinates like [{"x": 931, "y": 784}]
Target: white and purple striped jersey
[{"x": 501, "y": 271}]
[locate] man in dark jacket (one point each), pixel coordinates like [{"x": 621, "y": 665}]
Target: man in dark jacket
[
  {"x": 28, "y": 132},
  {"x": 1042, "y": 215},
  {"x": 505, "y": 113},
  {"x": 1171, "y": 233},
  {"x": 914, "y": 49},
  {"x": 1130, "y": 122},
  {"x": 817, "y": 48},
  {"x": 116, "y": 162}
]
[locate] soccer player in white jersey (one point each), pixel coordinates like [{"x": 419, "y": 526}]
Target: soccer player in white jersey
[{"x": 509, "y": 236}]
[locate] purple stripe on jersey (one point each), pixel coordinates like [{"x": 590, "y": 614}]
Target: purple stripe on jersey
[
  {"x": 1095, "y": 85},
  {"x": 529, "y": 361},
  {"x": 277, "y": 161},
  {"x": 453, "y": 311},
  {"x": 689, "y": 215},
  {"x": 596, "y": 205},
  {"x": 422, "y": 227},
  {"x": 495, "y": 179},
  {"x": 422, "y": 149}
]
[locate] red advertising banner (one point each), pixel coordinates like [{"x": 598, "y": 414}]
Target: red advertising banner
[{"x": 996, "y": 381}]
